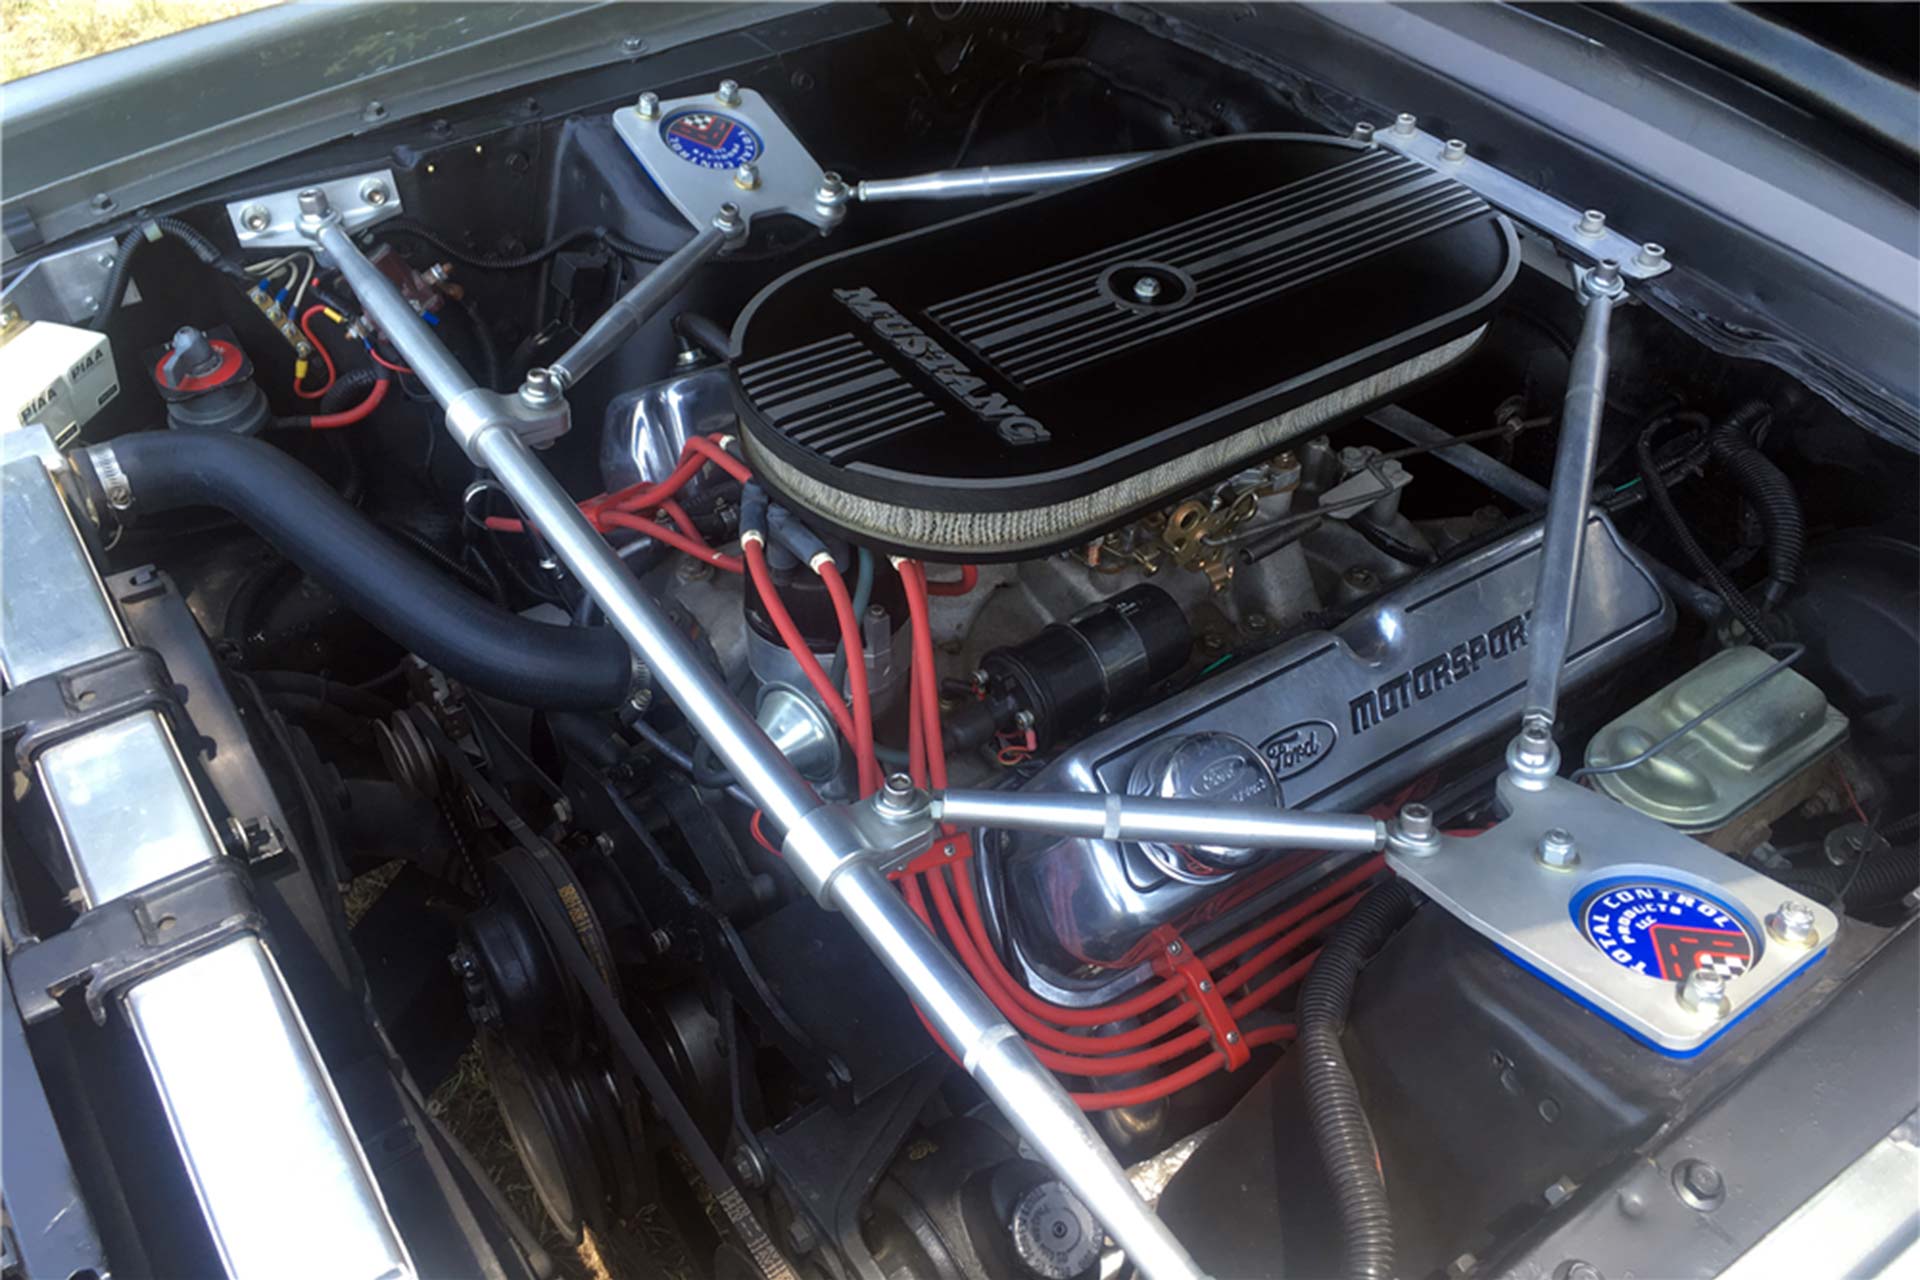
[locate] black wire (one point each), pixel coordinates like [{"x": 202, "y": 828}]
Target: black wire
[
  {"x": 1388, "y": 545},
  {"x": 470, "y": 554},
  {"x": 485, "y": 586},
  {"x": 514, "y": 574},
  {"x": 483, "y": 338},
  {"x": 1176, "y": 111},
  {"x": 130, "y": 243},
  {"x": 708, "y": 770},
  {"x": 388, "y": 676},
  {"x": 973, "y": 122},
  {"x": 466, "y": 257},
  {"x": 1656, "y": 486}
]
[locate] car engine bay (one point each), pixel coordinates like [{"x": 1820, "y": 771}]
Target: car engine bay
[{"x": 1093, "y": 674}]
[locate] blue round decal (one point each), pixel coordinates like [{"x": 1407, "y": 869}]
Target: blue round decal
[
  {"x": 710, "y": 139},
  {"x": 1665, "y": 930}
]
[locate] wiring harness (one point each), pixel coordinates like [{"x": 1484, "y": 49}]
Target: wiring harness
[{"x": 1201, "y": 1013}]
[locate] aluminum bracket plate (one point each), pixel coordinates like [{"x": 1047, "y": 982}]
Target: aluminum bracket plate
[
  {"x": 1495, "y": 883},
  {"x": 273, "y": 221},
  {"x": 1561, "y": 223},
  {"x": 694, "y": 150},
  {"x": 67, "y": 288}
]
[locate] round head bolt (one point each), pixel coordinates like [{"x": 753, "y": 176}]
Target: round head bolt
[
  {"x": 541, "y": 389},
  {"x": 1413, "y": 832},
  {"x": 898, "y": 799},
  {"x": 1792, "y": 923},
  {"x": 1536, "y": 743},
  {"x": 1557, "y": 849},
  {"x": 1704, "y": 991},
  {"x": 1532, "y": 757},
  {"x": 255, "y": 217}
]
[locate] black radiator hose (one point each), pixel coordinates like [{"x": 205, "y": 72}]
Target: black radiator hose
[
  {"x": 1340, "y": 1128},
  {"x": 1771, "y": 493},
  {"x": 477, "y": 642}
]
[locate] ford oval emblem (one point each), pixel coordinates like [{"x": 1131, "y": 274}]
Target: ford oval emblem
[
  {"x": 1299, "y": 747},
  {"x": 1217, "y": 777}
]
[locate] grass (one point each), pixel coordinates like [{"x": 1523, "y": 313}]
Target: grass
[{"x": 41, "y": 34}]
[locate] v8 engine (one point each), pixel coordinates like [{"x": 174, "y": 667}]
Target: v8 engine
[{"x": 961, "y": 642}]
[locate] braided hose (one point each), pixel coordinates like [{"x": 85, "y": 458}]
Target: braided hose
[
  {"x": 1768, "y": 489},
  {"x": 1340, "y": 1128}
]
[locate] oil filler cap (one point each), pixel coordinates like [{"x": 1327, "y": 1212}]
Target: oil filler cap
[
  {"x": 1054, "y": 1234},
  {"x": 1216, "y": 767}
]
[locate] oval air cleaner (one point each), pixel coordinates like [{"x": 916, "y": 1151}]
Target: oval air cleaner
[{"x": 1021, "y": 379}]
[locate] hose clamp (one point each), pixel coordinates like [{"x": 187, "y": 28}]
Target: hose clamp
[{"x": 112, "y": 476}]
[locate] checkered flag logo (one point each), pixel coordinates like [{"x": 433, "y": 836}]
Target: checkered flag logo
[{"x": 1727, "y": 966}]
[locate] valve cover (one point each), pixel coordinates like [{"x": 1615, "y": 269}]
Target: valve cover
[{"x": 1020, "y": 379}]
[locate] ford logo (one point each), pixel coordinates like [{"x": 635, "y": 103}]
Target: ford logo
[
  {"x": 1217, "y": 777},
  {"x": 1299, "y": 747}
]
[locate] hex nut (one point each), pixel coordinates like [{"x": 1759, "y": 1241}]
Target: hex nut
[
  {"x": 1557, "y": 849},
  {"x": 1704, "y": 992},
  {"x": 1792, "y": 922},
  {"x": 1699, "y": 1185}
]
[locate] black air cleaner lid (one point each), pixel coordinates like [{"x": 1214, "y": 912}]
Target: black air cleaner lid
[{"x": 1018, "y": 379}]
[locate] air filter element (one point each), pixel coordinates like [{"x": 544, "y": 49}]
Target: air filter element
[{"x": 1021, "y": 379}]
